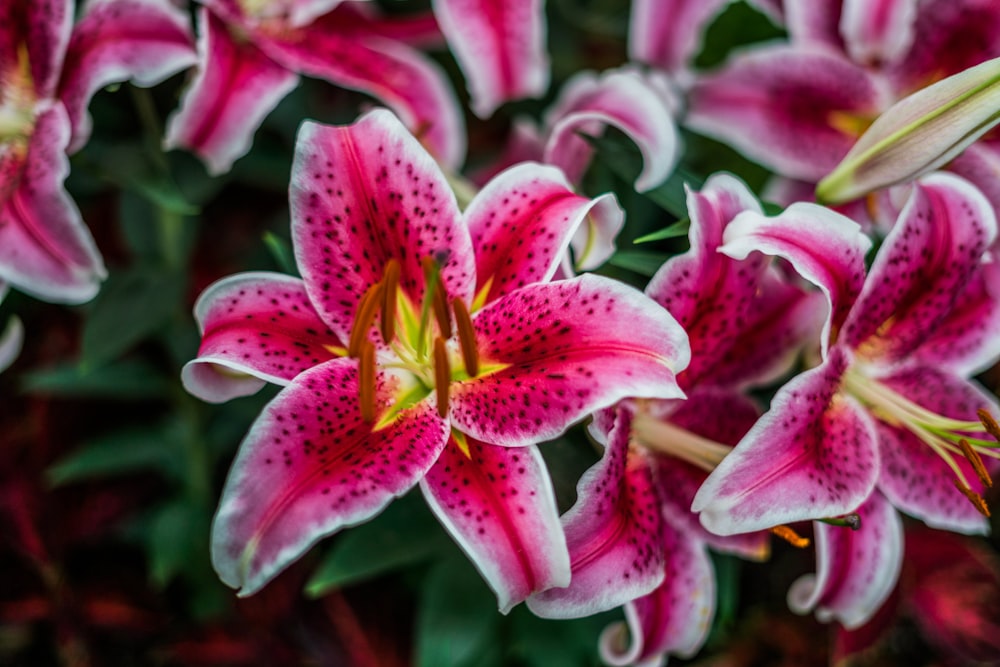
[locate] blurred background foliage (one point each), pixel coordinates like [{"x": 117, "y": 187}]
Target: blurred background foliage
[{"x": 111, "y": 472}]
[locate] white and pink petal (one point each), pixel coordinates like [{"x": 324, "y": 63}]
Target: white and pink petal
[
  {"x": 310, "y": 466},
  {"x": 498, "y": 504},
  {"x": 521, "y": 224},
  {"x": 143, "y": 41},
  {"x": 236, "y": 85},
  {"x": 500, "y": 47},
  {"x": 923, "y": 268},
  {"x": 362, "y": 195},
  {"x": 856, "y": 570},
  {"x": 45, "y": 248},
  {"x": 614, "y": 533},
  {"x": 812, "y": 455},
  {"x": 667, "y": 33},
  {"x": 556, "y": 352},
  {"x": 877, "y": 32},
  {"x": 255, "y": 328}
]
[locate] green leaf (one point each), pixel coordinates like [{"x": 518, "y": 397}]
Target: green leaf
[
  {"x": 679, "y": 228},
  {"x": 120, "y": 453},
  {"x": 133, "y": 304},
  {"x": 457, "y": 620},
  {"x": 643, "y": 263},
  {"x": 281, "y": 250},
  {"x": 404, "y": 534},
  {"x": 177, "y": 532},
  {"x": 124, "y": 380}
]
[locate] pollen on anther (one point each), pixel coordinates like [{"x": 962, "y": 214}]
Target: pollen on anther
[
  {"x": 366, "y": 381},
  {"x": 466, "y": 337},
  {"x": 972, "y": 456},
  {"x": 442, "y": 375},
  {"x": 989, "y": 423},
  {"x": 390, "y": 288},
  {"x": 790, "y": 536},
  {"x": 363, "y": 318},
  {"x": 977, "y": 500}
]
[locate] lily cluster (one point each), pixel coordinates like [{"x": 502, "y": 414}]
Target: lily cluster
[{"x": 778, "y": 378}]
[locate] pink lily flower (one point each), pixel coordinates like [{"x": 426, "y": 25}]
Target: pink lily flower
[
  {"x": 500, "y": 47},
  {"x": 632, "y": 537},
  {"x": 890, "y": 406},
  {"x": 251, "y": 55},
  {"x": 641, "y": 106},
  {"x": 419, "y": 347},
  {"x": 49, "y": 69},
  {"x": 846, "y": 63}
]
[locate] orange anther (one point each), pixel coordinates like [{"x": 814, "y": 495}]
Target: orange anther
[
  {"x": 989, "y": 423},
  {"x": 972, "y": 456},
  {"x": 390, "y": 284},
  {"x": 363, "y": 318},
  {"x": 977, "y": 500},
  {"x": 366, "y": 381},
  {"x": 790, "y": 536},
  {"x": 466, "y": 337}
]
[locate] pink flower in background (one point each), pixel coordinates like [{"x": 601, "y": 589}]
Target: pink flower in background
[
  {"x": 798, "y": 107},
  {"x": 890, "y": 409},
  {"x": 418, "y": 348},
  {"x": 49, "y": 69},
  {"x": 11, "y": 339},
  {"x": 632, "y": 537},
  {"x": 251, "y": 55}
]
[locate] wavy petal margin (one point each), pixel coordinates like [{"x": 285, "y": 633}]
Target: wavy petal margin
[
  {"x": 500, "y": 47},
  {"x": 856, "y": 570},
  {"x": 310, "y": 466},
  {"x": 499, "y": 505},
  {"x": 255, "y": 328},
  {"x": 614, "y": 533},
  {"x": 45, "y": 249},
  {"x": 144, "y": 41},
  {"x": 813, "y": 455},
  {"x": 561, "y": 351},
  {"x": 235, "y": 87}
]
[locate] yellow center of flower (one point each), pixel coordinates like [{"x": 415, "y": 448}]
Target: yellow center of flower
[
  {"x": 417, "y": 340},
  {"x": 950, "y": 439},
  {"x": 17, "y": 100}
]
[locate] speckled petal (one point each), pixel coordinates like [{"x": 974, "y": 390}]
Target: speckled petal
[
  {"x": 143, "y": 41},
  {"x": 499, "y": 506},
  {"x": 310, "y": 466},
  {"x": 775, "y": 105},
  {"x": 923, "y": 267},
  {"x": 625, "y": 100},
  {"x": 878, "y": 31},
  {"x": 913, "y": 477},
  {"x": 364, "y": 194},
  {"x": 401, "y": 77},
  {"x": 255, "y": 328},
  {"x": 45, "y": 249},
  {"x": 521, "y": 224},
  {"x": 614, "y": 533},
  {"x": 43, "y": 28},
  {"x": 672, "y": 620},
  {"x": 667, "y": 33},
  {"x": 813, "y": 455},
  {"x": 967, "y": 341},
  {"x": 728, "y": 307},
  {"x": 500, "y": 47},
  {"x": 856, "y": 570},
  {"x": 235, "y": 87},
  {"x": 823, "y": 246},
  {"x": 948, "y": 36},
  {"x": 563, "y": 350}
]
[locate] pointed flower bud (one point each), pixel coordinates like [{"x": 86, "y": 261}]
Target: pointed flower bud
[{"x": 918, "y": 134}]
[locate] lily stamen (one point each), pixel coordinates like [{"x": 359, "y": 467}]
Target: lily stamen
[
  {"x": 366, "y": 381},
  {"x": 389, "y": 292},
  {"x": 442, "y": 375},
  {"x": 852, "y": 521},
  {"x": 466, "y": 337},
  {"x": 977, "y": 462},
  {"x": 363, "y": 319},
  {"x": 977, "y": 500},
  {"x": 441, "y": 314},
  {"x": 790, "y": 536},
  {"x": 989, "y": 423}
]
